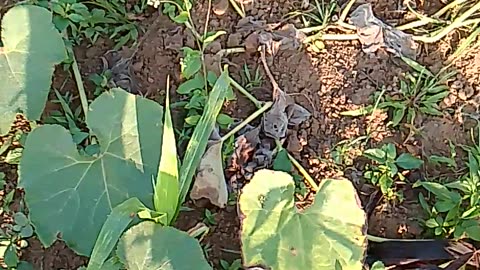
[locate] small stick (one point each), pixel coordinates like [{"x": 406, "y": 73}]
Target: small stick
[
  {"x": 345, "y": 11},
  {"x": 249, "y": 119},
  {"x": 269, "y": 74}
]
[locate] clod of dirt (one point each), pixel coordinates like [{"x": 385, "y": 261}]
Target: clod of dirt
[
  {"x": 210, "y": 180},
  {"x": 297, "y": 114},
  {"x": 220, "y": 7},
  {"x": 375, "y": 34}
]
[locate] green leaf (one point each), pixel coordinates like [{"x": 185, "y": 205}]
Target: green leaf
[
  {"x": 275, "y": 234},
  {"x": 390, "y": 151},
  {"x": 31, "y": 48},
  {"x": 378, "y": 265},
  {"x": 187, "y": 87},
  {"x": 408, "y": 162},
  {"x": 198, "y": 142},
  {"x": 118, "y": 220},
  {"x": 167, "y": 188},
  {"x": 191, "y": 63},
  {"x": 181, "y": 18},
  {"x": 398, "y": 115},
  {"x": 149, "y": 246},
  {"x": 282, "y": 162},
  {"x": 72, "y": 194},
  {"x": 438, "y": 189},
  {"x": 417, "y": 66},
  {"x": 225, "y": 120},
  {"x": 20, "y": 219},
  {"x": 473, "y": 232},
  {"x": 375, "y": 154},
  {"x": 211, "y": 37},
  {"x": 192, "y": 120},
  {"x": 10, "y": 256}
]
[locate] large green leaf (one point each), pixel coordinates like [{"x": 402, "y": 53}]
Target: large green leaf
[
  {"x": 32, "y": 47},
  {"x": 275, "y": 234},
  {"x": 72, "y": 194},
  {"x": 148, "y": 246}
]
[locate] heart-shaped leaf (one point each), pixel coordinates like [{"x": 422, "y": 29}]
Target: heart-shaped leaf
[
  {"x": 31, "y": 48},
  {"x": 72, "y": 194},
  {"x": 275, "y": 234},
  {"x": 149, "y": 246}
]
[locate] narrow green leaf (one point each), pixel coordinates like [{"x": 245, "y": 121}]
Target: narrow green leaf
[
  {"x": 438, "y": 189},
  {"x": 116, "y": 223},
  {"x": 198, "y": 143},
  {"x": 167, "y": 188},
  {"x": 408, "y": 162},
  {"x": 398, "y": 115},
  {"x": 417, "y": 67},
  {"x": 211, "y": 37}
]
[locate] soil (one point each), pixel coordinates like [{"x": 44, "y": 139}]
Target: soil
[{"x": 339, "y": 78}]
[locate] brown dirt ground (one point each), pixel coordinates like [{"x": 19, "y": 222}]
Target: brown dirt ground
[{"x": 339, "y": 78}]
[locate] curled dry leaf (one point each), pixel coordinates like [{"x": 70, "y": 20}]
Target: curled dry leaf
[
  {"x": 210, "y": 180},
  {"x": 297, "y": 114},
  {"x": 375, "y": 34},
  {"x": 275, "y": 121}
]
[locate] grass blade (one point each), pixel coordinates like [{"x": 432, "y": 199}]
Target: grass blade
[
  {"x": 112, "y": 229},
  {"x": 166, "y": 187},
  {"x": 198, "y": 143}
]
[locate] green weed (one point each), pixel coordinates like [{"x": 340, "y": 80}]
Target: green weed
[
  {"x": 388, "y": 168},
  {"x": 88, "y": 20},
  {"x": 235, "y": 265},
  {"x": 251, "y": 79},
  {"x": 420, "y": 93},
  {"x": 209, "y": 217}
]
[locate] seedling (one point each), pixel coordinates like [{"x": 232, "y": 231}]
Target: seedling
[
  {"x": 235, "y": 265},
  {"x": 251, "y": 79},
  {"x": 209, "y": 217},
  {"x": 420, "y": 93},
  {"x": 12, "y": 239},
  {"x": 456, "y": 205},
  {"x": 101, "y": 81},
  {"x": 387, "y": 168},
  {"x": 91, "y": 19}
]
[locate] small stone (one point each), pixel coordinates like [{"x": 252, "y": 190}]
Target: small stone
[
  {"x": 150, "y": 80},
  {"x": 137, "y": 67},
  {"x": 234, "y": 40},
  {"x": 465, "y": 93}
]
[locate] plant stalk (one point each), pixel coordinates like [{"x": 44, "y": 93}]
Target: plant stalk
[
  {"x": 300, "y": 168},
  {"x": 242, "y": 90},
  {"x": 249, "y": 119}
]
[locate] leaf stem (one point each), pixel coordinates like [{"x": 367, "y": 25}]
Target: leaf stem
[
  {"x": 242, "y": 90},
  {"x": 249, "y": 119},
  {"x": 79, "y": 82},
  {"x": 300, "y": 168}
]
